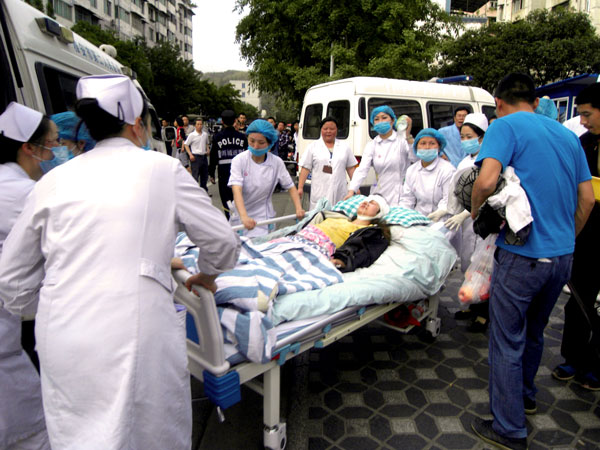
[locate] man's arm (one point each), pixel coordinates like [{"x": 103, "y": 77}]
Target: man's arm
[
  {"x": 585, "y": 204},
  {"x": 485, "y": 184}
]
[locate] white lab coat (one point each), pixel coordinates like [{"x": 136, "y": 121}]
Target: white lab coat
[
  {"x": 468, "y": 237},
  {"x": 21, "y": 413},
  {"x": 332, "y": 186},
  {"x": 426, "y": 188},
  {"x": 390, "y": 158},
  {"x": 95, "y": 242},
  {"x": 258, "y": 182}
]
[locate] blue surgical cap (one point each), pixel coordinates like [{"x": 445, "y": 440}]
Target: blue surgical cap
[
  {"x": 68, "y": 123},
  {"x": 431, "y": 132},
  {"x": 547, "y": 108},
  {"x": 265, "y": 128},
  {"x": 384, "y": 108}
]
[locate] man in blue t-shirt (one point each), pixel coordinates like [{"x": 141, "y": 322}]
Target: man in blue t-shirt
[{"x": 527, "y": 279}]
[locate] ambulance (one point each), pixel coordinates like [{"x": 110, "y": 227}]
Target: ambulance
[{"x": 41, "y": 61}]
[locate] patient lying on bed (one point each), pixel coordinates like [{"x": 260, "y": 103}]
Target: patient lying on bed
[{"x": 304, "y": 261}]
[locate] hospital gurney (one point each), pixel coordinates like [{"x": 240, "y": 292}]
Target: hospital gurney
[{"x": 222, "y": 381}]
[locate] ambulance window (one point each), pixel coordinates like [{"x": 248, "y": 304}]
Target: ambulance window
[
  {"x": 400, "y": 107},
  {"x": 442, "y": 114},
  {"x": 155, "y": 125},
  {"x": 489, "y": 111},
  {"x": 312, "y": 117},
  {"x": 57, "y": 87},
  {"x": 340, "y": 111},
  {"x": 7, "y": 93}
]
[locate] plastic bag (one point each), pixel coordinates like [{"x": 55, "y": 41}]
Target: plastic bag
[{"x": 476, "y": 287}]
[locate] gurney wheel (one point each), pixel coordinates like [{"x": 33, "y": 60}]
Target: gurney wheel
[
  {"x": 275, "y": 438},
  {"x": 433, "y": 327}
]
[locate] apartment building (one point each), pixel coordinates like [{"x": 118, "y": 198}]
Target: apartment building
[
  {"x": 511, "y": 10},
  {"x": 156, "y": 20},
  {"x": 247, "y": 94}
]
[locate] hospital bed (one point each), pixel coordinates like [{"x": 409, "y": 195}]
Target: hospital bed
[{"x": 223, "y": 376}]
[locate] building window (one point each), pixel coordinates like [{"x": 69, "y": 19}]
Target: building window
[
  {"x": 82, "y": 15},
  {"x": 162, "y": 18},
  {"x": 188, "y": 48},
  {"x": 107, "y": 8},
  {"x": 62, "y": 9},
  {"x": 243, "y": 85},
  {"x": 94, "y": 3},
  {"x": 163, "y": 2},
  {"x": 136, "y": 23},
  {"x": 123, "y": 15}
]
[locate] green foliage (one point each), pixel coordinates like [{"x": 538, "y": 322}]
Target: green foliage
[
  {"x": 172, "y": 84},
  {"x": 37, "y": 4},
  {"x": 50, "y": 9},
  {"x": 550, "y": 46},
  {"x": 289, "y": 43}
]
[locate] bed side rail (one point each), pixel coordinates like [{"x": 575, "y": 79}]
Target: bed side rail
[{"x": 207, "y": 353}]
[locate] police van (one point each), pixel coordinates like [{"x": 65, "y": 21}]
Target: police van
[
  {"x": 41, "y": 61},
  {"x": 351, "y": 100}
]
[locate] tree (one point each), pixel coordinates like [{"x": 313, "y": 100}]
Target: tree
[
  {"x": 37, "y": 4},
  {"x": 289, "y": 43},
  {"x": 550, "y": 46},
  {"x": 172, "y": 84}
]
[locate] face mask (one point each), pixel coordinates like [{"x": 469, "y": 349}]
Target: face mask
[
  {"x": 258, "y": 152},
  {"x": 382, "y": 127},
  {"x": 148, "y": 145},
  {"x": 427, "y": 155},
  {"x": 470, "y": 146},
  {"x": 61, "y": 155}
]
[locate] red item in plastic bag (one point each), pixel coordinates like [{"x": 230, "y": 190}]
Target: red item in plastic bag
[{"x": 476, "y": 287}]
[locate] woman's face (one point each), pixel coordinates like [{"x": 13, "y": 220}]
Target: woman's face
[
  {"x": 467, "y": 133},
  {"x": 370, "y": 208},
  {"x": 382, "y": 117},
  {"x": 329, "y": 132},
  {"x": 257, "y": 141},
  {"x": 427, "y": 142}
]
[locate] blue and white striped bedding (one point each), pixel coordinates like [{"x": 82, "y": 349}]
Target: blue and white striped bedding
[{"x": 414, "y": 266}]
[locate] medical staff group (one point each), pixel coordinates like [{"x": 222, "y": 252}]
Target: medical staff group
[{"x": 88, "y": 228}]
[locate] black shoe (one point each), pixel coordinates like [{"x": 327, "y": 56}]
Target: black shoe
[
  {"x": 530, "y": 406},
  {"x": 463, "y": 315},
  {"x": 483, "y": 429},
  {"x": 479, "y": 325}
]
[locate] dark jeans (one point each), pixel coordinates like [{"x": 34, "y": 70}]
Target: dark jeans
[
  {"x": 225, "y": 191},
  {"x": 522, "y": 294},
  {"x": 200, "y": 169}
]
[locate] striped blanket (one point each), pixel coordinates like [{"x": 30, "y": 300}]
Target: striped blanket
[{"x": 274, "y": 268}]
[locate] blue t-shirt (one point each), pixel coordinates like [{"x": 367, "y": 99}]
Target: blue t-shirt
[
  {"x": 550, "y": 162},
  {"x": 453, "y": 150}
]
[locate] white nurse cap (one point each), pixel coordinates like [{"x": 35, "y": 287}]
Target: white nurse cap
[
  {"x": 477, "y": 119},
  {"x": 19, "y": 122},
  {"x": 116, "y": 94}
]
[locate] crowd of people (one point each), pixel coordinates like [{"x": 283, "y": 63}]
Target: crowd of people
[{"x": 89, "y": 223}]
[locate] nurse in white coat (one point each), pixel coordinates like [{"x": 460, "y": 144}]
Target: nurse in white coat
[
  {"x": 328, "y": 159},
  {"x": 94, "y": 244},
  {"x": 389, "y": 154},
  {"x": 26, "y": 137},
  {"x": 254, "y": 175},
  {"x": 428, "y": 180}
]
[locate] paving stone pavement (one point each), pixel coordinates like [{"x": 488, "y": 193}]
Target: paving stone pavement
[{"x": 378, "y": 388}]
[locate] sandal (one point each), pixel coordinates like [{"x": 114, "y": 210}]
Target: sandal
[
  {"x": 564, "y": 372},
  {"x": 589, "y": 382}
]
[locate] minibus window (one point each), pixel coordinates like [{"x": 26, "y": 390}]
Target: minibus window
[
  {"x": 489, "y": 111},
  {"x": 401, "y": 107},
  {"x": 340, "y": 111},
  {"x": 8, "y": 93},
  {"x": 442, "y": 114},
  {"x": 312, "y": 117},
  {"x": 362, "y": 108},
  {"x": 57, "y": 87}
]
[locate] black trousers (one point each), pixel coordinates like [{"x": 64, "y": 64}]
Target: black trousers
[
  {"x": 225, "y": 191},
  {"x": 576, "y": 348},
  {"x": 200, "y": 170}
]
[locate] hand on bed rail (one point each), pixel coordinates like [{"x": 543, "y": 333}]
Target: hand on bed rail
[{"x": 202, "y": 279}]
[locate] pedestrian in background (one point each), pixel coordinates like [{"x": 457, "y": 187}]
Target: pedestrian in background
[
  {"x": 197, "y": 145},
  {"x": 454, "y": 151}
]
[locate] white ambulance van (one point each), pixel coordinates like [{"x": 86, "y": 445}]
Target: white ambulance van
[
  {"x": 41, "y": 61},
  {"x": 351, "y": 100}
]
